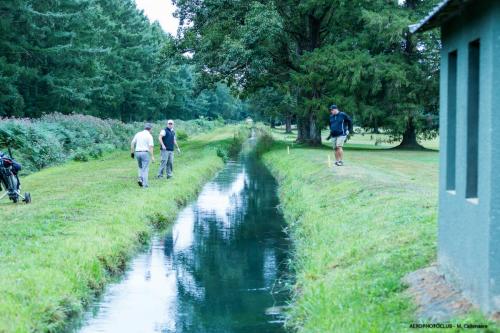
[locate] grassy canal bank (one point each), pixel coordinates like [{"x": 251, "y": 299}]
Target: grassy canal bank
[
  {"x": 357, "y": 231},
  {"x": 85, "y": 221}
]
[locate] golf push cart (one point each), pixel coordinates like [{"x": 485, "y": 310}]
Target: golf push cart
[{"x": 9, "y": 181}]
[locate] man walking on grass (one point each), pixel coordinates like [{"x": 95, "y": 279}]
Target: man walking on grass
[
  {"x": 142, "y": 149},
  {"x": 167, "y": 141},
  {"x": 340, "y": 127}
]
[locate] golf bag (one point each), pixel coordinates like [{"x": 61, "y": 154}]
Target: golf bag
[{"x": 9, "y": 181}]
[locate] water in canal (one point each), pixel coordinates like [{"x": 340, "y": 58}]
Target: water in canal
[{"x": 220, "y": 270}]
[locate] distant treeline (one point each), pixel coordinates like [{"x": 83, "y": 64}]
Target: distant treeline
[
  {"x": 56, "y": 138},
  {"x": 98, "y": 57}
]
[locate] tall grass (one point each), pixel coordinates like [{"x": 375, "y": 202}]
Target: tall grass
[
  {"x": 358, "y": 230},
  {"x": 56, "y": 138},
  {"x": 85, "y": 221},
  {"x": 231, "y": 150},
  {"x": 265, "y": 139}
]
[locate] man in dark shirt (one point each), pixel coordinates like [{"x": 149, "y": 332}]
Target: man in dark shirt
[
  {"x": 167, "y": 141},
  {"x": 340, "y": 127}
]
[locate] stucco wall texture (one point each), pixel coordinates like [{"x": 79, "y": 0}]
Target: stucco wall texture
[{"x": 469, "y": 228}]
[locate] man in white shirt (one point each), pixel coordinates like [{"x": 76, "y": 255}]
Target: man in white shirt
[{"x": 142, "y": 148}]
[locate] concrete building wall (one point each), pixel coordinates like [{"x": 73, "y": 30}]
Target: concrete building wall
[
  {"x": 495, "y": 170},
  {"x": 465, "y": 241}
]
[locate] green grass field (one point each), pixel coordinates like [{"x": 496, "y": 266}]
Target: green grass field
[
  {"x": 85, "y": 221},
  {"x": 362, "y": 140},
  {"x": 357, "y": 231}
]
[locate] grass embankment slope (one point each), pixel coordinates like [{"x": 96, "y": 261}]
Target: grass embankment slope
[
  {"x": 85, "y": 221},
  {"x": 358, "y": 230}
]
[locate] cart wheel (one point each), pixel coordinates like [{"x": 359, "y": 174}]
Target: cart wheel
[
  {"x": 15, "y": 199},
  {"x": 27, "y": 197}
]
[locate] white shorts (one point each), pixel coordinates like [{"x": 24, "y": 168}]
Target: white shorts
[{"x": 339, "y": 141}]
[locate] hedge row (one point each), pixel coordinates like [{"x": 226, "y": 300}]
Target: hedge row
[{"x": 56, "y": 138}]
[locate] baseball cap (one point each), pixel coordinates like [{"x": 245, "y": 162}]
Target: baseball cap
[
  {"x": 333, "y": 107},
  {"x": 148, "y": 126}
]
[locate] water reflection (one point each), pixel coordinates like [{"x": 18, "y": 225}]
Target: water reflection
[{"x": 215, "y": 271}]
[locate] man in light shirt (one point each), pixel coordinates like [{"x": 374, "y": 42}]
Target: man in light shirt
[
  {"x": 142, "y": 148},
  {"x": 167, "y": 141}
]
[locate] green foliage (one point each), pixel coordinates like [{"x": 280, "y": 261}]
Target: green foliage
[
  {"x": 297, "y": 57},
  {"x": 192, "y": 127},
  {"x": 97, "y": 57},
  {"x": 217, "y": 102},
  {"x": 80, "y": 156},
  {"x": 233, "y": 146},
  {"x": 160, "y": 221},
  {"x": 181, "y": 135},
  {"x": 222, "y": 153},
  {"x": 265, "y": 140},
  {"x": 239, "y": 137},
  {"x": 55, "y": 138}
]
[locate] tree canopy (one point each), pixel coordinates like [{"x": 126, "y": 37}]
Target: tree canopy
[
  {"x": 357, "y": 54},
  {"x": 98, "y": 57},
  {"x": 280, "y": 59}
]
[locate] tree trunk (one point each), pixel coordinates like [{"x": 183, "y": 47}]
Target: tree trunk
[
  {"x": 302, "y": 129},
  {"x": 409, "y": 137},
  {"x": 309, "y": 131},
  {"x": 314, "y": 131},
  {"x": 288, "y": 123}
]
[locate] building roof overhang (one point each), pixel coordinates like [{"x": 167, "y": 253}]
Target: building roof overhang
[{"x": 442, "y": 13}]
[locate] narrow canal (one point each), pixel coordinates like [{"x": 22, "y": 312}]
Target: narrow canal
[{"x": 220, "y": 269}]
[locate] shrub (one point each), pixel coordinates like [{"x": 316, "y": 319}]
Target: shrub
[
  {"x": 55, "y": 138},
  {"x": 159, "y": 221},
  {"x": 80, "y": 156},
  {"x": 239, "y": 137},
  {"x": 265, "y": 141},
  {"x": 233, "y": 147},
  {"x": 181, "y": 135},
  {"x": 222, "y": 153}
]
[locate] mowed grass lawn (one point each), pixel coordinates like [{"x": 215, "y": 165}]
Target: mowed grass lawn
[
  {"x": 85, "y": 221},
  {"x": 361, "y": 140},
  {"x": 357, "y": 231}
]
